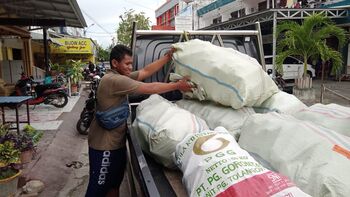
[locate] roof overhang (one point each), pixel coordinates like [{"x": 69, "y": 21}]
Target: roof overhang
[
  {"x": 41, "y": 13},
  {"x": 14, "y": 31}
]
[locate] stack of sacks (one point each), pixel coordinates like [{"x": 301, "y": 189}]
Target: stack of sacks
[
  {"x": 160, "y": 125},
  {"x": 227, "y": 76},
  {"x": 332, "y": 116},
  {"x": 313, "y": 157},
  {"x": 214, "y": 165},
  {"x": 217, "y": 115},
  {"x": 281, "y": 102}
]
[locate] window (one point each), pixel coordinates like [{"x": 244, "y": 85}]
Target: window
[
  {"x": 217, "y": 20},
  {"x": 262, "y": 6},
  {"x": 172, "y": 12},
  {"x": 17, "y": 54},
  {"x": 292, "y": 60},
  {"x": 241, "y": 12},
  {"x": 234, "y": 15},
  {"x": 268, "y": 60}
]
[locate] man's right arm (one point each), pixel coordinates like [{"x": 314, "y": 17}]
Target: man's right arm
[{"x": 159, "y": 88}]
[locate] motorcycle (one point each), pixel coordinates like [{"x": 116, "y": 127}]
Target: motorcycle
[
  {"x": 279, "y": 81},
  {"x": 87, "y": 115},
  {"x": 86, "y": 73},
  {"x": 52, "y": 94}
]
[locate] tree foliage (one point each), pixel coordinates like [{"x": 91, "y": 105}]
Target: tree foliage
[
  {"x": 308, "y": 41},
  {"x": 103, "y": 54},
  {"x": 125, "y": 25}
]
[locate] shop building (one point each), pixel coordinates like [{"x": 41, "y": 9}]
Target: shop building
[{"x": 17, "y": 48}]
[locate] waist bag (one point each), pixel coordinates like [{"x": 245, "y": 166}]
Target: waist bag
[{"x": 114, "y": 117}]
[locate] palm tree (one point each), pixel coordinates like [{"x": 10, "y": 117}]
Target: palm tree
[{"x": 308, "y": 41}]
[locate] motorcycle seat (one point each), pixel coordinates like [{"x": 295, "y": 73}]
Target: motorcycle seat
[{"x": 39, "y": 89}]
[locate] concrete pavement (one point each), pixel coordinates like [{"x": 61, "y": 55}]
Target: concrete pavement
[
  {"x": 56, "y": 149},
  {"x": 312, "y": 96},
  {"x": 59, "y": 149}
]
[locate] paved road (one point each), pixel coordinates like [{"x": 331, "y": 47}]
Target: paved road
[{"x": 313, "y": 96}]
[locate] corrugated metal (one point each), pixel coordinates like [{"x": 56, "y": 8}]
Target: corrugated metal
[{"x": 67, "y": 10}]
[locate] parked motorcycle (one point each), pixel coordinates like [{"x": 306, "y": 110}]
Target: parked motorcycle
[
  {"x": 279, "y": 81},
  {"x": 87, "y": 115},
  {"x": 52, "y": 94}
]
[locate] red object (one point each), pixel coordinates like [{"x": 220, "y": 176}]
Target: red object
[
  {"x": 160, "y": 27},
  {"x": 266, "y": 184},
  {"x": 36, "y": 101}
]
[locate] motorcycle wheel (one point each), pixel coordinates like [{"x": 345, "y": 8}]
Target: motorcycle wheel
[
  {"x": 59, "y": 100},
  {"x": 81, "y": 127},
  {"x": 82, "y": 114}
]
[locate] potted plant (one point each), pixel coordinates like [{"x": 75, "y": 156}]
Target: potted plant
[
  {"x": 9, "y": 157},
  {"x": 75, "y": 73},
  {"x": 27, "y": 142},
  {"x": 308, "y": 41}
]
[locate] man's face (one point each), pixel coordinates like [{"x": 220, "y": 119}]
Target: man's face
[{"x": 124, "y": 67}]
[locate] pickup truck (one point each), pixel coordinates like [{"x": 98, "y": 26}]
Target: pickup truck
[{"x": 145, "y": 176}]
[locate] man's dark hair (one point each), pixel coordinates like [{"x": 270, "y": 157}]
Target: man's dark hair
[{"x": 118, "y": 52}]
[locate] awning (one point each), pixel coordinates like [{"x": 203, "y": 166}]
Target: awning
[{"x": 41, "y": 12}]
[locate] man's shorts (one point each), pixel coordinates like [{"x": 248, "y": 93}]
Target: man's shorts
[{"x": 106, "y": 171}]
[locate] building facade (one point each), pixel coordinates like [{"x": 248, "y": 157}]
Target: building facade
[
  {"x": 243, "y": 14},
  {"x": 225, "y": 10},
  {"x": 18, "y": 47},
  {"x": 165, "y": 15}
]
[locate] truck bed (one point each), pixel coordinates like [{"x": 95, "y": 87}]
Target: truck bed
[{"x": 147, "y": 177}]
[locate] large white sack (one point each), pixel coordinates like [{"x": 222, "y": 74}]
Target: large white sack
[
  {"x": 218, "y": 115},
  {"x": 332, "y": 116},
  {"x": 281, "y": 102},
  {"x": 315, "y": 158},
  {"x": 228, "y": 76},
  {"x": 214, "y": 165},
  {"x": 160, "y": 125}
]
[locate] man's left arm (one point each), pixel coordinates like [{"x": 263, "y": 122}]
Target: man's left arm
[{"x": 153, "y": 67}]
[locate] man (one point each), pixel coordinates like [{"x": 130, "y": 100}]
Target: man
[
  {"x": 107, "y": 151},
  {"x": 91, "y": 67}
]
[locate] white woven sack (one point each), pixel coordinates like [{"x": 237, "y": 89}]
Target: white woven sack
[
  {"x": 218, "y": 115},
  {"x": 281, "y": 102},
  {"x": 214, "y": 165},
  {"x": 160, "y": 125},
  {"x": 228, "y": 76},
  {"x": 315, "y": 158},
  {"x": 332, "y": 116}
]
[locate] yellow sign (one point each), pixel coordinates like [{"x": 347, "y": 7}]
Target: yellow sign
[{"x": 71, "y": 46}]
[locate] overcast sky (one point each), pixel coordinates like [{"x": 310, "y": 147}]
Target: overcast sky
[{"x": 102, "y": 17}]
